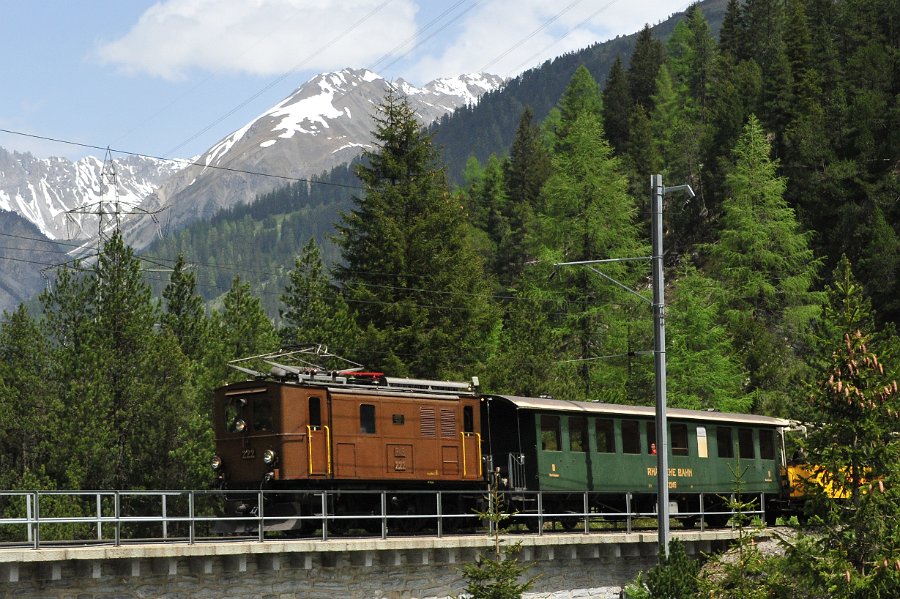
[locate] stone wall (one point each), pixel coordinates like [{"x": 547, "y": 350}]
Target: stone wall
[{"x": 566, "y": 566}]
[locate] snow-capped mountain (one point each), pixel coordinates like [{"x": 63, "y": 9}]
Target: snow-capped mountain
[
  {"x": 326, "y": 122},
  {"x": 61, "y": 197}
]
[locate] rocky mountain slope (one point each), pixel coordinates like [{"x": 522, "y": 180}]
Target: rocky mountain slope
[
  {"x": 60, "y": 197},
  {"x": 324, "y": 123}
]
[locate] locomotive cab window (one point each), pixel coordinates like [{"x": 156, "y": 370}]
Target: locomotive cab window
[
  {"x": 606, "y": 440},
  {"x": 233, "y": 409},
  {"x": 745, "y": 444},
  {"x": 680, "y": 439},
  {"x": 367, "y": 419},
  {"x": 578, "y": 433},
  {"x": 262, "y": 414},
  {"x": 468, "y": 419},
  {"x": 766, "y": 445},
  {"x": 550, "y": 433},
  {"x": 631, "y": 436},
  {"x": 723, "y": 442},
  {"x": 315, "y": 412}
]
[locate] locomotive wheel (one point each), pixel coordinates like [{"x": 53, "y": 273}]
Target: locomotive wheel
[
  {"x": 532, "y": 525},
  {"x": 570, "y": 523},
  {"x": 411, "y": 525}
]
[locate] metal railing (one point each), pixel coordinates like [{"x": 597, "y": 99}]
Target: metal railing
[{"x": 40, "y": 519}]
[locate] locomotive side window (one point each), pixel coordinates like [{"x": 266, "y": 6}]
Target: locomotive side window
[
  {"x": 578, "y": 433},
  {"x": 723, "y": 442},
  {"x": 766, "y": 445},
  {"x": 680, "y": 439},
  {"x": 606, "y": 440},
  {"x": 550, "y": 433},
  {"x": 367, "y": 419},
  {"x": 745, "y": 444},
  {"x": 262, "y": 414},
  {"x": 315, "y": 412},
  {"x": 468, "y": 420},
  {"x": 631, "y": 436}
]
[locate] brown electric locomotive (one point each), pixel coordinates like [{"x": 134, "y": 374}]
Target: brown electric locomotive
[{"x": 301, "y": 427}]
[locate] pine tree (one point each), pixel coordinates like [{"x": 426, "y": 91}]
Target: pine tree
[
  {"x": 582, "y": 96},
  {"x": 117, "y": 374},
  {"x": 409, "y": 269},
  {"x": 28, "y": 405},
  {"x": 524, "y": 174},
  {"x": 765, "y": 262},
  {"x": 729, "y": 36},
  {"x": 702, "y": 366},
  {"x": 617, "y": 107},
  {"x": 643, "y": 68},
  {"x": 313, "y": 310},
  {"x": 184, "y": 314},
  {"x": 587, "y": 214},
  {"x": 243, "y": 325}
]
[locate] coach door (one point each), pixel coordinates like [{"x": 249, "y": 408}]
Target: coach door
[
  {"x": 318, "y": 438},
  {"x": 471, "y": 446}
]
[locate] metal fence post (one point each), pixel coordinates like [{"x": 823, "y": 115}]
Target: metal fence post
[
  {"x": 36, "y": 537},
  {"x": 702, "y": 513},
  {"x": 192, "y": 522},
  {"x": 99, "y": 498},
  {"x": 540, "y": 504},
  {"x": 324, "y": 515},
  {"x": 628, "y": 511},
  {"x": 165, "y": 524},
  {"x": 261, "y": 529},
  {"x": 440, "y": 519},
  {"x": 384, "y": 526},
  {"x": 587, "y": 520},
  {"x": 118, "y": 510}
]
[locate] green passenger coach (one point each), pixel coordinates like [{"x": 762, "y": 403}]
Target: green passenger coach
[{"x": 565, "y": 449}]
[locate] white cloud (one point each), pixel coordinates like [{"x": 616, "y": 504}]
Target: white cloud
[
  {"x": 260, "y": 37},
  {"x": 509, "y": 36}
]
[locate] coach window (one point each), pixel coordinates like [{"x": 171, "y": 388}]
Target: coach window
[
  {"x": 766, "y": 445},
  {"x": 650, "y": 428},
  {"x": 262, "y": 415},
  {"x": 315, "y": 412},
  {"x": 680, "y": 439},
  {"x": 745, "y": 444},
  {"x": 578, "y": 433},
  {"x": 550, "y": 433},
  {"x": 631, "y": 436},
  {"x": 367, "y": 419},
  {"x": 606, "y": 440},
  {"x": 702, "y": 449},
  {"x": 723, "y": 442}
]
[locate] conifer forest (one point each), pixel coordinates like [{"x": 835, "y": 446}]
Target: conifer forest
[{"x": 784, "y": 117}]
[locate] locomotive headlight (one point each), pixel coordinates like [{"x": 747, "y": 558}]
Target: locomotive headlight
[
  {"x": 269, "y": 457},
  {"x": 215, "y": 462},
  {"x": 240, "y": 426}
]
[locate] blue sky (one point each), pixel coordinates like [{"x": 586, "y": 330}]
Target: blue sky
[{"x": 171, "y": 78}]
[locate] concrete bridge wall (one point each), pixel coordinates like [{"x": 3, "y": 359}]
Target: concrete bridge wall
[{"x": 567, "y": 566}]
